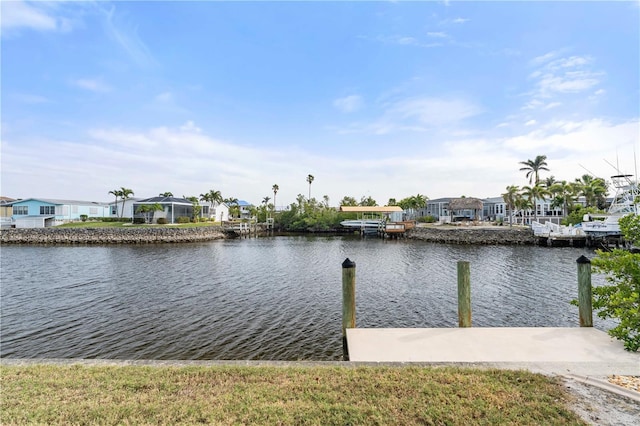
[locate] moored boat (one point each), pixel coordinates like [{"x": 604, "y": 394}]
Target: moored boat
[{"x": 626, "y": 201}]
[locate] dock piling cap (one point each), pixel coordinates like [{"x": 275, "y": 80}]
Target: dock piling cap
[
  {"x": 582, "y": 260},
  {"x": 348, "y": 263}
]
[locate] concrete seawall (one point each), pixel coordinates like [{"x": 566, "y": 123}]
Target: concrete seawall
[
  {"x": 111, "y": 235},
  {"x": 497, "y": 235}
]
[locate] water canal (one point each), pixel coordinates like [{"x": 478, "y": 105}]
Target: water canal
[{"x": 275, "y": 298}]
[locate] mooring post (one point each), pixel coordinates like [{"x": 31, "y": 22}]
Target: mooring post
[
  {"x": 464, "y": 294},
  {"x": 348, "y": 302},
  {"x": 584, "y": 292}
]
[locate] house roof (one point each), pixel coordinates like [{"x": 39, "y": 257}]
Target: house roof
[
  {"x": 493, "y": 200},
  {"x": 62, "y": 202},
  {"x": 439, "y": 200},
  {"x": 465, "y": 203},
  {"x": 164, "y": 200},
  {"x": 370, "y": 209},
  {"x": 243, "y": 203}
]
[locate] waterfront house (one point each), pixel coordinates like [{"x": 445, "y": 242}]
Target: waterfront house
[
  {"x": 124, "y": 210},
  {"x": 438, "y": 208},
  {"x": 494, "y": 209},
  {"x": 172, "y": 208},
  {"x": 6, "y": 211},
  {"x": 465, "y": 208},
  {"x": 245, "y": 209},
  {"x": 218, "y": 212},
  {"x": 44, "y": 212}
]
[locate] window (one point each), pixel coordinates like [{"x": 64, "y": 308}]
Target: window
[
  {"x": 74, "y": 209},
  {"x": 93, "y": 210},
  {"x": 47, "y": 209},
  {"x": 21, "y": 210}
]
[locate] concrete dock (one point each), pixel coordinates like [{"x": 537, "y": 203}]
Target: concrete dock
[{"x": 581, "y": 350}]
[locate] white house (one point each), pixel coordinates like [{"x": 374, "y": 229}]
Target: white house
[{"x": 218, "y": 212}]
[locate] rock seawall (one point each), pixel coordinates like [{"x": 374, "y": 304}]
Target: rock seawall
[
  {"x": 111, "y": 235},
  {"x": 471, "y": 235}
]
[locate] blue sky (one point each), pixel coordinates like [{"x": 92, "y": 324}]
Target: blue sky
[{"x": 381, "y": 99}]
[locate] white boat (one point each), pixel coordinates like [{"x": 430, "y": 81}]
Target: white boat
[
  {"x": 626, "y": 201},
  {"x": 362, "y": 223}
]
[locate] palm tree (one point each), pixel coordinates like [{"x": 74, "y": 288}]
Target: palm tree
[
  {"x": 532, "y": 167},
  {"x": 550, "y": 181},
  {"x": 593, "y": 189},
  {"x": 125, "y": 193},
  {"x": 166, "y": 194},
  {"x": 116, "y": 193},
  {"x": 510, "y": 197},
  {"x": 564, "y": 195},
  {"x": 233, "y": 205},
  {"x": 213, "y": 197},
  {"x": 275, "y": 189},
  {"x": 522, "y": 203},
  {"x": 310, "y": 179},
  {"x": 533, "y": 193},
  {"x": 146, "y": 209}
]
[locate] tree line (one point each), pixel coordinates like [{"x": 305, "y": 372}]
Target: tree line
[{"x": 563, "y": 194}]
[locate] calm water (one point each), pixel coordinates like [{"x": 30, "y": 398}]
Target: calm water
[{"x": 264, "y": 299}]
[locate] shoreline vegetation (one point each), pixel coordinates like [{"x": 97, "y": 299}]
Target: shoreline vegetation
[
  {"x": 80, "y": 394},
  {"x": 150, "y": 234}
]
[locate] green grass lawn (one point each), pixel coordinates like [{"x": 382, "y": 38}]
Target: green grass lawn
[{"x": 231, "y": 395}]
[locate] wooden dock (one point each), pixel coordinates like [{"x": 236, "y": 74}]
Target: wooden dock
[{"x": 571, "y": 348}]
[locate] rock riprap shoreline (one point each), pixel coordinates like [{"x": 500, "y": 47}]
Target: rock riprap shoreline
[
  {"x": 111, "y": 235},
  {"x": 496, "y": 235}
]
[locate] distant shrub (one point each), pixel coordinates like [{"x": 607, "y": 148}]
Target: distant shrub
[
  {"x": 204, "y": 219},
  {"x": 139, "y": 220},
  {"x": 427, "y": 219},
  {"x": 84, "y": 217},
  {"x": 114, "y": 219},
  {"x": 161, "y": 221},
  {"x": 183, "y": 219}
]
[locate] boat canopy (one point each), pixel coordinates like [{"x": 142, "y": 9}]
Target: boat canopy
[{"x": 370, "y": 209}]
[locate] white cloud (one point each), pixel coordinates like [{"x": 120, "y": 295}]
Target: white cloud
[
  {"x": 460, "y": 20},
  {"x": 349, "y": 103},
  {"x": 92, "y": 84},
  {"x": 556, "y": 78},
  {"x": 19, "y": 14},
  {"x": 164, "y": 97},
  {"x": 186, "y": 161},
  {"x": 530, "y": 123},
  {"x": 434, "y": 111},
  {"x": 27, "y": 98},
  {"x": 403, "y": 40},
  {"x": 539, "y": 60},
  {"x": 126, "y": 36},
  {"x": 438, "y": 34},
  {"x": 417, "y": 114},
  {"x": 190, "y": 127}
]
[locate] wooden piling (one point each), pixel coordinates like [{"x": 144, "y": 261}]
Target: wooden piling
[
  {"x": 584, "y": 292},
  {"x": 348, "y": 302},
  {"x": 464, "y": 294}
]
